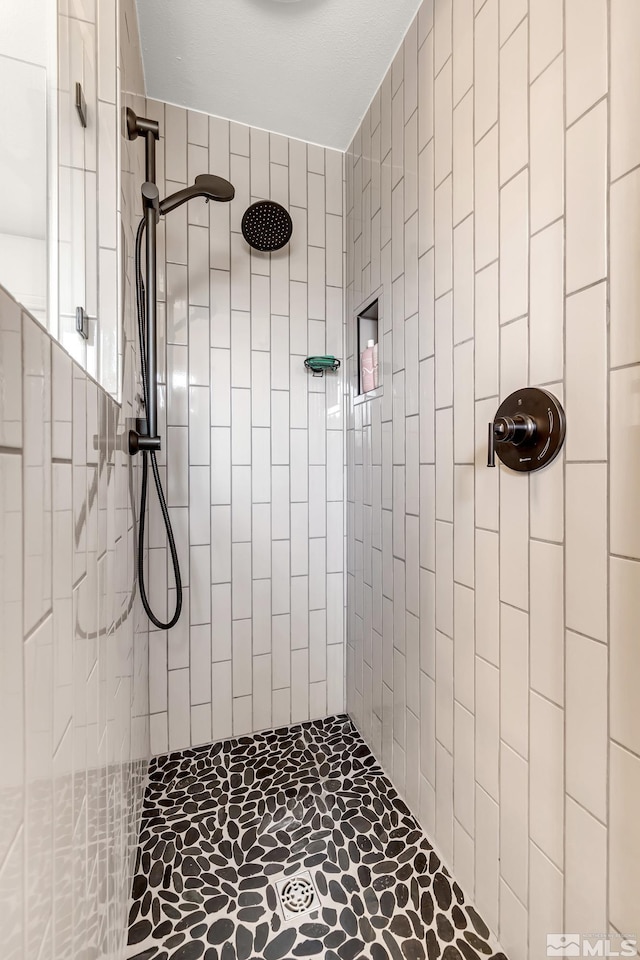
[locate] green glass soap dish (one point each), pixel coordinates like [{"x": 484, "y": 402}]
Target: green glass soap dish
[{"x": 320, "y": 365}]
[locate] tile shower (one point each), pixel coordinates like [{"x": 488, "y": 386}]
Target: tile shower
[
  {"x": 254, "y": 444},
  {"x": 492, "y": 200},
  {"x": 479, "y": 627},
  {"x": 225, "y": 826},
  {"x": 74, "y": 684}
]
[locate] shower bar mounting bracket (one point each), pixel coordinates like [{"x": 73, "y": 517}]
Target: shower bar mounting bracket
[{"x": 140, "y": 126}]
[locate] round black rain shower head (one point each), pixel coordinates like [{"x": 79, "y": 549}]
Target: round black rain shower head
[{"x": 267, "y": 226}]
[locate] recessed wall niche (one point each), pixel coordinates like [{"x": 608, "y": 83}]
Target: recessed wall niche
[{"x": 368, "y": 359}]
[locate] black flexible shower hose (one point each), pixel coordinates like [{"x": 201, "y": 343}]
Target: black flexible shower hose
[{"x": 154, "y": 464}]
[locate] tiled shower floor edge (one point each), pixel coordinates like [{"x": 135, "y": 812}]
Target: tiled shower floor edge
[
  {"x": 492, "y": 938},
  {"x": 222, "y": 823}
]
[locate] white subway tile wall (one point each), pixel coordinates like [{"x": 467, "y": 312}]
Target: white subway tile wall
[
  {"x": 74, "y": 653},
  {"x": 85, "y": 223},
  {"x": 502, "y": 744},
  {"x": 74, "y": 689},
  {"x": 491, "y": 649},
  {"x": 255, "y": 444}
]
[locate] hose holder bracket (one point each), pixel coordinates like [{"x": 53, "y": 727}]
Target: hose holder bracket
[{"x": 140, "y": 441}]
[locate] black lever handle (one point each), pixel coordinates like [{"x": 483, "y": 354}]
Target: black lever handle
[{"x": 491, "y": 450}]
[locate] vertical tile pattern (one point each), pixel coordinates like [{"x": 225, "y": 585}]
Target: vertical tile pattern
[
  {"x": 515, "y": 276},
  {"x": 255, "y": 444},
  {"x": 85, "y": 228},
  {"x": 74, "y": 688}
]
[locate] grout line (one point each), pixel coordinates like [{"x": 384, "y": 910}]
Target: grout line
[
  {"x": 564, "y": 463},
  {"x": 608, "y": 480},
  {"x": 509, "y": 37},
  {"x": 592, "y": 106}
]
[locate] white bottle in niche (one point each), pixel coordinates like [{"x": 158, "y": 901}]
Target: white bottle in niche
[
  {"x": 376, "y": 372},
  {"x": 366, "y": 361}
]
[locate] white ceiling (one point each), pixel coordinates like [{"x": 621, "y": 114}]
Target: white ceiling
[{"x": 307, "y": 68}]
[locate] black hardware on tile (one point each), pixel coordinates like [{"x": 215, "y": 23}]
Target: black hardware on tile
[
  {"x": 144, "y": 439},
  {"x": 491, "y": 448},
  {"x": 81, "y": 104},
  {"x": 82, "y": 323},
  {"x": 267, "y": 226},
  {"x": 527, "y": 431},
  {"x": 147, "y": 439}
]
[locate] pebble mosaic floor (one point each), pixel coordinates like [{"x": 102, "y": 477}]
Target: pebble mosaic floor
[{"x": 223, "y": 824}]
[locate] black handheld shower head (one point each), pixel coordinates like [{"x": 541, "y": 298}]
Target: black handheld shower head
[{"x": 206, "y": 185}]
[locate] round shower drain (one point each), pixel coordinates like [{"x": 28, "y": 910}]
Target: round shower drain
[{"x": 297, "y": 895}]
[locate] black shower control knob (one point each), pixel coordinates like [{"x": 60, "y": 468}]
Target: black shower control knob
[
  {"x": 528, "y": 430},
  {"x": 500, "y": 430},
  {"x": 519, "y": 429}
]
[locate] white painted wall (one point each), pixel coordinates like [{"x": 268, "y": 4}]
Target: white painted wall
[{"x": 306, "y": 69}]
